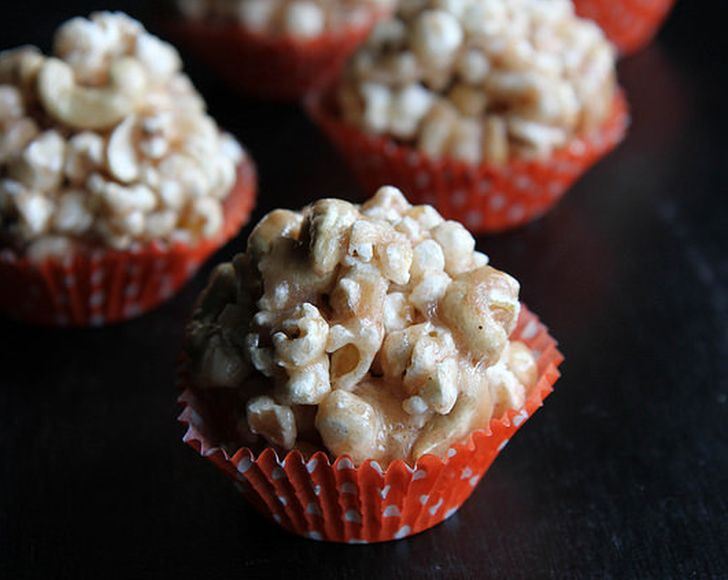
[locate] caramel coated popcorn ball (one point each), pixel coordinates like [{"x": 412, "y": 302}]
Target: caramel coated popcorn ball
[
  {"x": 375, "y": 331},
  {"x": 107, "y": 142},
  {"x": 481, "y": 80}
]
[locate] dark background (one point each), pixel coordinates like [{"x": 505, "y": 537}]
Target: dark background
[{"x": 624, "y": 473}]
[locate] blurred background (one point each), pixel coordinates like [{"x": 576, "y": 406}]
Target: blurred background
[{"x": 623, "y": 474}]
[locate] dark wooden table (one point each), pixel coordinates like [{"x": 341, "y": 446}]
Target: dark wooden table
[{"x": 624, "y": 473}]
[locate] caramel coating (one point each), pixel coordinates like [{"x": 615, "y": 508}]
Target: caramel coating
[{"x": 380, "y": 320}]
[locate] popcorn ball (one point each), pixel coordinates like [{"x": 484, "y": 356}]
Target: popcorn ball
[
  {"x": 277, "y": 49},
  {"x": 359, "y": 367},
  {"x": 382, "y": 315},
  {"x": 496, "y": 105},
  {"x": 106, "y": 148}
]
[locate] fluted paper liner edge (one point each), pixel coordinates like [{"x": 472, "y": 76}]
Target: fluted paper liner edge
[
  {"x": 486, "y": 198},
  {"x": 105, "y": 286},
  {"x": 340, "y": 502},
  {"x": 278, "y": 68}
]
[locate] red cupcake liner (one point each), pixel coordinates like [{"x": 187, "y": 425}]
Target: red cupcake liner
[
  {"x": 629, "y": 24},
  {"x": 273, "y": 67},
  {"x": 340, "y": 502},
  {"x": 486, "y": 198},
  {"x": 103, "y": 286}
]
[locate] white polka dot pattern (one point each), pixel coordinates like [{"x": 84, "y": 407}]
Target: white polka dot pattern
[
  {"x": 487, "y": 198},
  {"x": 342, "y": 502},
  {"x": 104, "y": 287}
]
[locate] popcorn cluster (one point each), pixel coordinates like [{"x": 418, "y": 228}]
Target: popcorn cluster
[
  {"x": 481, "y": 80},
  {"x": 376, "y": 331},
  {"x": 107, "y": 142},
  {"x": 300, "y": 19}
]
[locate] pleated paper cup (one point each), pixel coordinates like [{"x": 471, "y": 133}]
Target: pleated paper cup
[
  {"x": 271, "y": 67},
  {"x": 629, "y": 24},
  {"x": 338, "y": 501},
  {"x": 103, "y": 286},
  {"x": 486, "y": 198}
]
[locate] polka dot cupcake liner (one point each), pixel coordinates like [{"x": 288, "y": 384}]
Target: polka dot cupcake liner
[
  {"x": 486, "y": 198},
  {"x": 104, "y": 286},
  {"x": 278, "y": 68},
  {"x": 629, "y": 24},
  {"x": 337, "y": 501}
]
